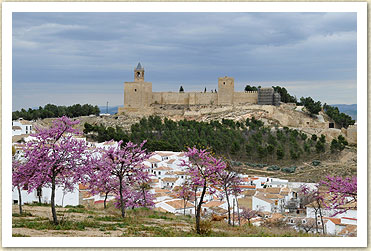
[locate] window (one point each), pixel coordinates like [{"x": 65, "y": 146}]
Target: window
[
  {"x": 15, "y": 201},
  {"x": 223, "y": 83},
  {"x": 135, "y": 90},
  {"x": 304, "y": 221},
  {"x": 318, "y": 222},
  {"x": 292, "y": 221}
]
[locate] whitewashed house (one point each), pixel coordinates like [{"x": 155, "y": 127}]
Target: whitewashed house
[
  {"x": 176, "y": 206},
  {"x": 21, "y": 126},
  {"x": 62, "y": 198}
]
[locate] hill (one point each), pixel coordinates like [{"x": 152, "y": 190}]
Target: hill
[
  {"x": 173, "y": 135},
  {"x": 350, "y": 110}
]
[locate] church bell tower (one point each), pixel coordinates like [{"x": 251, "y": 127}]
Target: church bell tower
[{"x": 139, "y": 73}]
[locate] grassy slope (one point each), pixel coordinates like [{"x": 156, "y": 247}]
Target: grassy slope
[{"x": 138, "y": 223}]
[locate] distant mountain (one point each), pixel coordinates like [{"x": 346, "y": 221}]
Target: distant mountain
[
  {"x": 111, "y": 109},
  {"x": 351, "y": 110}
]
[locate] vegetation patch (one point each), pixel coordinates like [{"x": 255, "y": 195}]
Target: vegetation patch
[
  {"x": 24, "y": 214},
  {"x": 20, "y": 235}
]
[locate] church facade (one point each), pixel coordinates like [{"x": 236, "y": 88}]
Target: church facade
[{"x": 139, "y": 97}]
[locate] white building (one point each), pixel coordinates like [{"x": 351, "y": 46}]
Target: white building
[
  {"x": 62, "y": 198},
  {"x": 176, "y": 206},
  {"x": 21, "y": 126}
]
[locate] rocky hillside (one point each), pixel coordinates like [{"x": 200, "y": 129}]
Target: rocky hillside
[{"x": 285, "y": 115}]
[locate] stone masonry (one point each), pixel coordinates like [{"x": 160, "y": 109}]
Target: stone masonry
[{"x": 138, "y": 95}]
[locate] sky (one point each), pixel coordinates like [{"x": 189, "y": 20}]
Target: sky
[{"x": 69, "y": 58}]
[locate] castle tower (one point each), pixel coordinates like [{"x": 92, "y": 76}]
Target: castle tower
[
  {"x": 137, "y": 94},
  {"x": 225, "y": 90},
  {"x": 139, "y": 73}
]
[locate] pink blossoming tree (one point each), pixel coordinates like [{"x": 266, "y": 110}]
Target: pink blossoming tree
[
  {"x": 316, "y": 199},
  {"x": 55, "y": 158},
  {"x": 125, "y": 164},
  {"x": 101, "y": 182},
  {"x": 133, "y": 198},
  {"x": 186, "y": 192},
  {"x": 230, "y": 184},
  {"x": 248, "y": 214},
  {"x": 203, "y": 170},
  {"x": 18, "y": 180},
  {"x": 342, "y": 193}
]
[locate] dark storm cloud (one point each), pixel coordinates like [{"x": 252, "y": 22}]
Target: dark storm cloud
[{"x": 92, "y": 54}]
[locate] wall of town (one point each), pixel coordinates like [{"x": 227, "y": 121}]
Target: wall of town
[
  {"x": 245, "y": 97},
  {"x": 188, "y": 98},
  {"x": 198, "y": 98},
  {"x": 138, "y": 95}
]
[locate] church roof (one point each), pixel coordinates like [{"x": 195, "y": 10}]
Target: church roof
[{"x": 139, "y": 66}]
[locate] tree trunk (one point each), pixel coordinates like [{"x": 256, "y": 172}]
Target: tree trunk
[
  {"x": 184, "y": 206},
  {"x": 20, "y": 200},
  {"x": 229, "y": 207},
  {"x": 121, "y": 200},
  {"x": 315, "y": 216},
  {"x": 39, "y": 190},
  {"x": 238, "y": 212},
  {"x": 144, "y": 197},
  {"x": 233, "y": 211},
  {"x": 320, "y": 214},
  {"x": 105, "y": 200},
  {"x": 52, "y": 201},
  {"x": 198, "y": 213},
  {"x": 195, "y": 202}
]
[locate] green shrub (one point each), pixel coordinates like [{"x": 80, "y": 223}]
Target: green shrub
[
  {"x": 273, "y": 168},
  {"x": 316, "y": 162},
  {"x": 78, "y": 206},
  {"x": 289, "y": 169}
]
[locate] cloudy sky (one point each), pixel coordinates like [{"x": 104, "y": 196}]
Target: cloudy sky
[{"x": 68, "y": 58}]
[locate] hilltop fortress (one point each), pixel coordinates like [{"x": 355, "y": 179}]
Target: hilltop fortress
[{"x": 138, "y": 95}]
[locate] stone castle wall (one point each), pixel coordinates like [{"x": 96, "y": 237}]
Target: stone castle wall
[
  {"x": 245, "y": 97},
  {"x": 198, "y": 98},
  {"x": 138, "y": 95},
  {"x": 187, "y": 98}
]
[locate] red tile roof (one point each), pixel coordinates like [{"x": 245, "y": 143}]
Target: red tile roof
[
  {"x": 214, "y": 203},
  {"x": 178, "y": 204}
]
